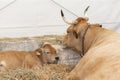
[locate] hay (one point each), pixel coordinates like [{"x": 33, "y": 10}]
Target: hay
[
  {"x": 19, "y": 74},
  {"x": 47, "y": 72},
  {"x": 54, "y": 72}
]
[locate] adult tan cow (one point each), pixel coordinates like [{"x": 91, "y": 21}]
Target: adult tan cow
[
  {"x": 16, "y": 59},
  {"x": 100, "y": 48}
]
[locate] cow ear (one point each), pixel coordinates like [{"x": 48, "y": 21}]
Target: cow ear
[
  {"x": 100, "y": 25},
  {"x": 75, "y": 34}
]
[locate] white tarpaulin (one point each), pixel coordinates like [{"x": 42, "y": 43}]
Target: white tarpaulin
[{"x": 24, "y": 18}]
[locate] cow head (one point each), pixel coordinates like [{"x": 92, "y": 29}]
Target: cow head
[
  {"x": 47, "y": 54},
  {"x": 76, "y": 34}
]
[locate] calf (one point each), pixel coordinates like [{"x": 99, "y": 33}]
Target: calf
[{"x": 33, "y": 60}]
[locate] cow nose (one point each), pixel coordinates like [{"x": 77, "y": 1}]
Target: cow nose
[{"x": 56, "y": 58}]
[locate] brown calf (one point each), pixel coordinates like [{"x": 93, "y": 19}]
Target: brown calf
[{"x": 16, "y": 59}]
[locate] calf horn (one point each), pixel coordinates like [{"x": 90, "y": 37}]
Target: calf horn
[{"x": 64, "y": 19}]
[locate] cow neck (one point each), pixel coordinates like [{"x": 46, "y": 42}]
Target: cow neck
[{"x": 83, "y": 41}]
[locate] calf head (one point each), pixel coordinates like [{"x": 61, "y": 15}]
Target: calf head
[{"x": 47, "y": 54}]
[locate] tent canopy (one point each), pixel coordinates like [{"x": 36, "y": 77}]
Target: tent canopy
[{"x": 25, "y": 18}]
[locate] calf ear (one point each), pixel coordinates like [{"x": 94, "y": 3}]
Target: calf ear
[
  {"x": 75, "y": 34},
  {"x": 38, "y": 51}
]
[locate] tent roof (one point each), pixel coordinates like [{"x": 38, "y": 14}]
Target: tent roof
[{"x": 40, "y": 17}]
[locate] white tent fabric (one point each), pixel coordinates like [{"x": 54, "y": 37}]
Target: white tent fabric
[{"x": 26, "y": 18}]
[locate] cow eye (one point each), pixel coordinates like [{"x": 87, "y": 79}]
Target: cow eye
[{"x": 68, "y": 31}]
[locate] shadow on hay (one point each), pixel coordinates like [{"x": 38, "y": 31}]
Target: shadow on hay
[{"x": 47, "y": 72}]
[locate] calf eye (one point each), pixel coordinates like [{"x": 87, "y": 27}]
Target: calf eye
[{"x": 47, "y": 52}]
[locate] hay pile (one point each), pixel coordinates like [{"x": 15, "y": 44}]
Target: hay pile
[{"x": 47, "y": 72}]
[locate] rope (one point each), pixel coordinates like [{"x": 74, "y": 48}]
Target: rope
[
  {"x": 8, "y": 5},
  {"x": 84, "y": 13},
  {"x": 64, "y": 8}
]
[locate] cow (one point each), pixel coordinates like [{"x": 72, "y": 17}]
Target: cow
[
  {"x": 33, "y": 60},
  {"x": 99, "y": 48}
]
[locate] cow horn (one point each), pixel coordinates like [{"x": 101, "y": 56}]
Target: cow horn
[
  {"x": 86, "y": 10},
  {"x": 64, "y": 19},
  {"x": 85, "y": 13}
]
